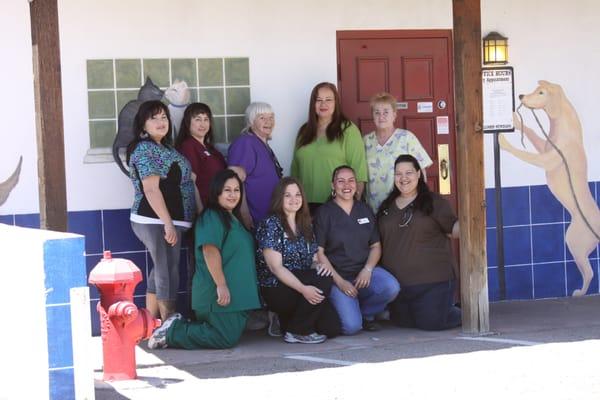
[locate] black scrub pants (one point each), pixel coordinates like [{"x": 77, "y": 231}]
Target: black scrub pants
[
  {"x": 428, "y": 307},
  {"x": 298, "y": 316}
]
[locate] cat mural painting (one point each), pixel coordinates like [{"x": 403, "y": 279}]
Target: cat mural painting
[
  {"x": 9, "y": 184},
  {"x": 178, "y": 96}
]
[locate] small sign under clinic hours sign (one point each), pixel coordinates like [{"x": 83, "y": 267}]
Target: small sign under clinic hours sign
[{"x": 498, "y": 99}]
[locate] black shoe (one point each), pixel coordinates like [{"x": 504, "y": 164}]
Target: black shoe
[{"x": 370, "y": 325}]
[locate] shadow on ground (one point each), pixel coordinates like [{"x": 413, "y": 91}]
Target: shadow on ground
[{"x": 515, "y": 323}]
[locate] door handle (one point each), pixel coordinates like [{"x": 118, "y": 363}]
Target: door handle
[{"x": 444, "y": 169}]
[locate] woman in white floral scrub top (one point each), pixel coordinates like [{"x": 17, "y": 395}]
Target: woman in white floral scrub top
[{"x": 384, "y": 145}]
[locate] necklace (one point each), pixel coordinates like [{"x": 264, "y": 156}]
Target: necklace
[{"x": 405, "y": 205}]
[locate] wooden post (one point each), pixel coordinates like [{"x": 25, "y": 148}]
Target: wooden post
[
  {"x": 49, "y": 114},
  {"x": 469, "y": 121}
]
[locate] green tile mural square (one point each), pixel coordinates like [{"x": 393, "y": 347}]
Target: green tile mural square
[
  {"x": 124, "y": 97},
  {"x": 102, "y": 133},
  {"x": 205, "y": 76},
  {"x": 193, "y": 95},
  {"x": 184, "y": 69},
  {"x": 100, "y": 74},
  {"x": 237, "y": 100},
  {"x": 210, "y": 72},
  {"x": 237, "y": 71},
  {"x": 158, "y": 70},
  {"x": 234, "y": 127},
  {"x": 101, "y": 104},
  {"x": 219, "y": 134},
  {"x": 214, "y": 99},
  {"x": 129, "y": 73}
]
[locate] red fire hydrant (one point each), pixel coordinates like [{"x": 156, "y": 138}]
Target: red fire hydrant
[{"x": 123, "y": 325}]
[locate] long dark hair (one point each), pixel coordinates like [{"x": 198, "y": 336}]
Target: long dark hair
[
  {"x": 424, "y": 200},
  {"x": 147, "y": 110},
  {"x": 308, "y": 132},
  {"x": 303, "y": 221},
  {"x": 216, "y": 188},
  {"x": 190, "y": 112}
]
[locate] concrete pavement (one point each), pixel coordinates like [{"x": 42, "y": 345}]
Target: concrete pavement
[{"x": 545, "y": 348}]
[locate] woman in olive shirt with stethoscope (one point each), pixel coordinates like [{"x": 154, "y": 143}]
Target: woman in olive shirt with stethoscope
[{"x": 416, "y": 225}]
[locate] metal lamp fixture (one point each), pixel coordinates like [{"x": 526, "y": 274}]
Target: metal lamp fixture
[{"x": 495, "y": 49}]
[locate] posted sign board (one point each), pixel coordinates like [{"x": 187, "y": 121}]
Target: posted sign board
[{"x": 498, "y": 99}]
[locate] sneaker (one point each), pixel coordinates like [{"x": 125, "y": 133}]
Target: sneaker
[
  {"x": 312, "y": 338},
  {"x": 383, "y": 316},
  {"x": 158, "y": 340},
  {"x": 257, "y": 320},
  {"x": 274, "y": 327},
  {"x": 370, "y": 325}
]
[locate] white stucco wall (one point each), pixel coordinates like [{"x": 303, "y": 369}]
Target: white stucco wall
[
  {"x": 17, "y": 105},
  {"x": 291, "y": 46}
]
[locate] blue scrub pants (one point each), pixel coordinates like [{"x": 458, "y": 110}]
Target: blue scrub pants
[{"x": 371, "y": 300}]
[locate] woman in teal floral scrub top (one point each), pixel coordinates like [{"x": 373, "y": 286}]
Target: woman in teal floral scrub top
[{"x": 164, "y": 204}]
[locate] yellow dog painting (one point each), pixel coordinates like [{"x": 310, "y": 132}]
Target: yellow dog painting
[{"x": 565, "y": 135}]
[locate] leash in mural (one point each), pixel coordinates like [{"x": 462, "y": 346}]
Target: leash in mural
[{"x": 564, "y": 159}]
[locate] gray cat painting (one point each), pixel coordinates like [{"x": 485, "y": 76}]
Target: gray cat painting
[
  {"x": 149, "y": 91},
  {"x": 8, "y": 185}
]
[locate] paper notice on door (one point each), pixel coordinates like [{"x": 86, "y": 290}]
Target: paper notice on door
[
  {"x": 424, "y": 107},
  {"x": 443, "y": 125}
]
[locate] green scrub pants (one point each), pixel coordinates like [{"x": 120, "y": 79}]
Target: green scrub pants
[{"x": 211, "y": 330}]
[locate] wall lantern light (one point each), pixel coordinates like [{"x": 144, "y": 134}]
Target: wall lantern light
[{"x": 495, "y": 49}]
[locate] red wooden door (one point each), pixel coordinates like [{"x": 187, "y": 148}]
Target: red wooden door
[{"x": 414, "y": 66}]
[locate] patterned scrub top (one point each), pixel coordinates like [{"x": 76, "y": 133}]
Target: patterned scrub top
[
  {"x": 176, "y": 184},
  {"x": 380, "y": 162},
  {"x": 297, "y": 254}
]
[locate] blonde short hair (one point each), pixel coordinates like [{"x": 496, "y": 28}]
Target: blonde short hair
[{"x": 385, "y": 98}]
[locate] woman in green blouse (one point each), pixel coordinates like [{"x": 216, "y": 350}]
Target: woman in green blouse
[
  {"x": 327, "y": 140},
  {"x": 224, "y": 286}
]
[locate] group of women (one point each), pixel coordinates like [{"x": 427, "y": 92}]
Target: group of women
[{"x": 306, "y": 247}]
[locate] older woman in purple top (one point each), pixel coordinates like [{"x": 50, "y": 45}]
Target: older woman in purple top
[{"x": 252, "y": 152}]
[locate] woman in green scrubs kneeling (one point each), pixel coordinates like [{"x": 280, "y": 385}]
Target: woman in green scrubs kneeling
[{"x": 224, "y": 286}]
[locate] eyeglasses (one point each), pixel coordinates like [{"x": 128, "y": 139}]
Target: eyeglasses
[{"x": 406, "y": 216}]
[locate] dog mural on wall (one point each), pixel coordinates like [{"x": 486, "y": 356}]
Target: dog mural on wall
[
  {"x": 178, "y": 95},
  {"x": 9, "y": 184},
  {"x": 561, "y": 154}
]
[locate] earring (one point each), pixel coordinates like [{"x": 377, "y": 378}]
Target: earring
[
  {"x": 333, "y": 194},
  {"x": 144, "y": 135}
]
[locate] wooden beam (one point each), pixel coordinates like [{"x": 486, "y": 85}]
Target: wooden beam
[
  {"x": 49, "y": 114},
  {"x": 469, "y": 121}
]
